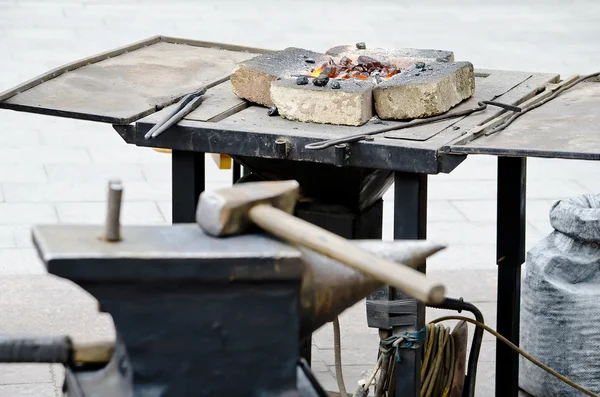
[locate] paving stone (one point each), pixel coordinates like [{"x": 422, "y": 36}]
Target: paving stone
[
  {"x": 437, "y": 210},
  {"x": 439, "y": 189},
  {"x": 126, "y": 154},
  {"x": 550, "y": 190},
  {"x": 76, "y": 133},
  {"x": 474, "y": 285},
  {"x": 20, "y": 261},
  {"x": 143, "y": 213},
  {"x": 26, "y": 213},
  {"x": 162, "y": 172},
  {"x": 93, "y": 172},
  {"x": 552, "y": 169},
  {"x": 463, "y": 256},
  {"x": 41, "y": 155},
  {"x": 485, "y": 210},
  {"x": 18, "y": 138},
  {"x": 7, "y": 237},
  {"x": 82, "y": 191},
  {"x": 23, "y": 173}
]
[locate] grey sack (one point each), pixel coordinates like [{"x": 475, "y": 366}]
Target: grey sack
[{"x": 560, "y": 306}]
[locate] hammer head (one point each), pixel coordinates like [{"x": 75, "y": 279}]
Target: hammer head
[{"x": 224, "y": 212}]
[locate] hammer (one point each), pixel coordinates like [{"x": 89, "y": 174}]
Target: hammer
[{"x": 270, "y": 205}]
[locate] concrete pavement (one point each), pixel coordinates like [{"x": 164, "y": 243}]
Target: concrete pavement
[{"x": 55, "y": 170}]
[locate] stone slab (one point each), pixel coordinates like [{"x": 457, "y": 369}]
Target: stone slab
[
  {"x": 420, "y": 93},
  {"x": 351, "y": 104},
  {"x": 252, "y": 79}
]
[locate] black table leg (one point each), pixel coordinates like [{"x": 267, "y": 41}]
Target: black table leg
[
  {"x": 410, "y": 222},
  {"x": 510, "y": 257},
  {"x": 236, "y": 170},
  {"x": 187, "y": 184}
]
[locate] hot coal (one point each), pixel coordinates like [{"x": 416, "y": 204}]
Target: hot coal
[
  {"x": 335, "y": 85},
  {"x": 364, "y": 68},
  {"x": 361, "y": 46},
  {"x": 273, "y": 111},
  {"x": 309, "y": 60},
  {"x": 321, "y": 81},
  {"x": 302, "y": 80}
]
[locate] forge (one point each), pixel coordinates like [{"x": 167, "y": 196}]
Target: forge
[{"x": 348, "y": 85}]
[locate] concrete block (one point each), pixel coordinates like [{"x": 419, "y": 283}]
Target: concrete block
[
  {"x": 252, "y": 79},
  {"x": 349, "y": 105},
  {"x": 419, "y": 93}
]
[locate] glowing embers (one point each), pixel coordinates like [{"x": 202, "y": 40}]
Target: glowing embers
[{"x": 363, "y": 68}]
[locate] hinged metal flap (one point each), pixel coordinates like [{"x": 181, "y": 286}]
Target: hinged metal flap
[
  {"x": 128, "y": 83},
  {"x": 565, "y": 127}
]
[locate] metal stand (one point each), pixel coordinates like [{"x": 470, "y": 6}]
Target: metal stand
[
  {"x": 410, "y": 222},
  {"x": 188, "y": 178},
  {"x": 510, "y": 257},
  {"x": 389, "y": 309}
]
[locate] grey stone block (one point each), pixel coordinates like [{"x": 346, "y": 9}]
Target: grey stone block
[
  {"x": 416, "y": 93},
  {"x": 352, "y": 104}
]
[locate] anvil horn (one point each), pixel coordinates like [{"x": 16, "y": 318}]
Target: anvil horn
[{"x": 329, "y": 287}]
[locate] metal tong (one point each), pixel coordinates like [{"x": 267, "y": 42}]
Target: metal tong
[
  {"x": 482, "y": 105},
  {"x": 184, "y": 107}
]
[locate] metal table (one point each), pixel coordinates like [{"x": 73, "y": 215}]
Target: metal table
[{"x": 564, "y": 128}]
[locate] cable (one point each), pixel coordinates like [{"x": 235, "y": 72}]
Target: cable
[
  {"x": 337, "y": 353},
  {"x": 460, "y": 305},
  {"x": 518, "y": 350}
]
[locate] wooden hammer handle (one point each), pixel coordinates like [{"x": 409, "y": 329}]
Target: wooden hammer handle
[{"x": 298, "y": 231}]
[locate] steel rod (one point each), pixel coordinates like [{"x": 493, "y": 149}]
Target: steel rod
[{"x": 112, "y": 230}]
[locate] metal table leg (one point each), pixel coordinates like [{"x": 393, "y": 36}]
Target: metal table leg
[
  {"x": 188, "y": 174},
  {"x": 410, "y": 222},
  {"x": 236, "y": 170},
  {"x": 510, "y": 257}
]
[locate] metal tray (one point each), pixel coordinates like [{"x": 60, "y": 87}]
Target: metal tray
[
  {"x": 128, "y": 83},
  {"x": 566, "y": 127}
]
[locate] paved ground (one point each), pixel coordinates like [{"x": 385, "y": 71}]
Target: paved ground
[{"x": 55, "y": 170}]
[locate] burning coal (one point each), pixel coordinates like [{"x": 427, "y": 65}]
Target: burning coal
[{"x": 363, "y": 68}]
